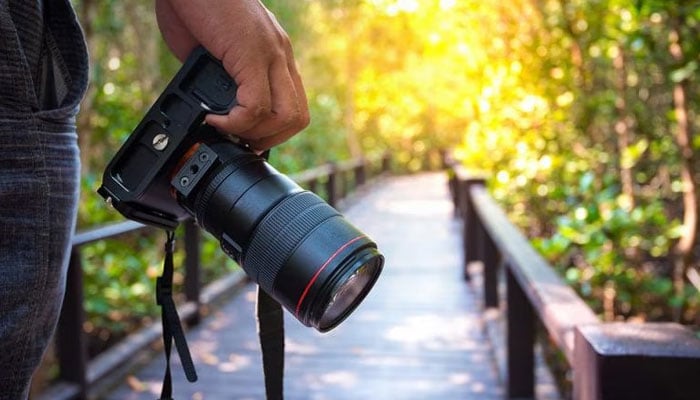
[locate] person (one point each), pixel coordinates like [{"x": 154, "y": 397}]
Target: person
[{"x": 43, "y": 76}]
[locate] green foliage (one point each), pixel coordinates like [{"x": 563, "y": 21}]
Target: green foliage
[
  {"x": 580, "y": 143},
  {"x": 600, "y": 242},
  {"x": 119, "y": 281},
  {"x": 567, "y": 104}
]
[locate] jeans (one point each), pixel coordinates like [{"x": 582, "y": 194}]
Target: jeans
[{"x": 43, "y": 76}]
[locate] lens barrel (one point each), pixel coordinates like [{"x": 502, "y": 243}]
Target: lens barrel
[{"x": 299, "y": 249}]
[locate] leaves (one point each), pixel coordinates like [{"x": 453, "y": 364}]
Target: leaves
[
  {"x": 540, "y": 94},
  {"x": 605, "y": 207},
  {"x": 688, "y": 71}
]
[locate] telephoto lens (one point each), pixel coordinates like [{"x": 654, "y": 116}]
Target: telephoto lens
[{"x": 299, "y": 249}]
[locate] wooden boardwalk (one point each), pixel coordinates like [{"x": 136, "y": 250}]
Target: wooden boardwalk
[{"x": 418, "y": 335}]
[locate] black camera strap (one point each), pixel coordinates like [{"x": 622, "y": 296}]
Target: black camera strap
[
  {"x": 271, "y": 332},
  {"x": 172, "y": 329}
]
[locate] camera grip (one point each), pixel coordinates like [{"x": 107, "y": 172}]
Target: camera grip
[{"x": 137, "y": 180}]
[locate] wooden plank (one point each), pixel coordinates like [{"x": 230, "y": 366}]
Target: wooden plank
[
  {"x": 636, "y": 361},
  {"x": 419, "y": 334}
]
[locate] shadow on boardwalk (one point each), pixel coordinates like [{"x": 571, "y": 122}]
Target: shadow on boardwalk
[{"x": 418, "y": 335}]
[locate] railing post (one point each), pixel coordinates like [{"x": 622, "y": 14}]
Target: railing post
[
  {"x": 312, "y": 185},
  {"x": 71, "y": 349},
  {"x": 462, "y": 192},
  {"x": 470, "y": 220},
  {"x": 446, "y": 160},
  {"x": 452, "y": 184},
  {"x": 520, "y": 341},
  {"x": 360, "y": 174},
  {"x": 386, "y": 162},
  {"x": 636, "y": 361},
  {"x": 491, "y": 259},
  {"x": 427, "y": 163},
  {"x": 192, "y": 266},
  {"x": 473, "y": 223},
  {"x": 332, "y": 185},
  {"x": 343, "y": 183}
]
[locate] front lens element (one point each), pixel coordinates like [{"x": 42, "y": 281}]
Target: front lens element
[{"x": 349, "y": 293}]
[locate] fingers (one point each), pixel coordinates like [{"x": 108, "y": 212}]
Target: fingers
[
  {"x": 272, "y": 104},
  {"x": 301, "y": 118},
  {"x": 256, "y": 51},
  {"x": 254, "y": 97},
  {"x": 269, "y": 111}
]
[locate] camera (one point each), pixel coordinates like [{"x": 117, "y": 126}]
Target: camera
[{"x": 299, "y": 249}]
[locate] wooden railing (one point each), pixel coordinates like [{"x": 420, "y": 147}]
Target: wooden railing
[
  {"x": 608, "y": 360},
  {"x": 77, "y": 374}
]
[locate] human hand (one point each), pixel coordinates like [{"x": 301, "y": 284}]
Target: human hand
[{"x": 256, "y": 51}]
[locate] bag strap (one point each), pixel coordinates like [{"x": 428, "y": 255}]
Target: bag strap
[
  {"x": 271, "y": 333},
  {"x": 172, "y": 329}
]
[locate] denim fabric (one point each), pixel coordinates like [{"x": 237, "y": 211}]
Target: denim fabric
[{"x": 43, "y": 76}]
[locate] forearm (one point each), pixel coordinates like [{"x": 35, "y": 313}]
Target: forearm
[{"x": 228, "y": 29}]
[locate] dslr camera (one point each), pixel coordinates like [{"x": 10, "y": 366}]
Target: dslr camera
[{"x": 299, "y": 249}]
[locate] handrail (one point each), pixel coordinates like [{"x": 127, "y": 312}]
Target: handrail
[
  {"x": 609, "y": 360},
  {"x": 556, "y": 303},
  {"x": 77, "y": 374},
  {"x": 107, "y": 231}
]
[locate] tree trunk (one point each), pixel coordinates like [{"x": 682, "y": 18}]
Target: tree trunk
[
  {"x": 622, "y": 129},
  {"x": 684, "y": 248},
  {"x": 353, "y": 142}
]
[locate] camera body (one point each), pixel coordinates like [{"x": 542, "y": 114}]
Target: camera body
[
  {"x": 299, "y": 249},
  {"x": 139, "y": 180}
]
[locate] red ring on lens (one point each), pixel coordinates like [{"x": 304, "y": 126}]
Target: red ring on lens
[{"x": 318, "y": 272}]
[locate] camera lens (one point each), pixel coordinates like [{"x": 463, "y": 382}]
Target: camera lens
[
  {"x": 349, "y": 293},
  {"x": 300, "y": 250}
]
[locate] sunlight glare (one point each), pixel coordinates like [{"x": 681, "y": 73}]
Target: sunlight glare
[
  {"x": 460, "y": 379},
  {"x": 345, "y": 379},
  {"x": 423, "y": 208},
  {"x": 447, "y": 4},
  {"x": 109, "y": 88},
  {"x": 434, "y": 332},
  {"x": 530, "y": 103},
  {"x": 235, "y": 362},
  {"x": 565, "y": 99},
  {"x": 114, "y": 63},
  {"x": 295, "y": 347},
  {"x": 395, "y": 7}
]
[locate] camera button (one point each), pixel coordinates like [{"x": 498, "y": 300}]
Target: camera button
[{"x": 230, "y": 247}]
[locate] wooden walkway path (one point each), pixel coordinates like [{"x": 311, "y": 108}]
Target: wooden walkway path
[{"x": 418, "y": 335}]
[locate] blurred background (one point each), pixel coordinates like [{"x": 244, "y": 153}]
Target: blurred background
[{"x": 582, "y": 113}]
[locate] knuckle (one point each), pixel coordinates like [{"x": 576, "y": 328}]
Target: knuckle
[
  {"x": 285, "y": 42},
  {"x": 296, "y": 119},
  {"x": 305, "y": 120},
  {"x": 260, "y": 111}
]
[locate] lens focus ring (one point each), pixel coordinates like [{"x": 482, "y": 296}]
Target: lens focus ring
[{"x": 280, "y": 232}]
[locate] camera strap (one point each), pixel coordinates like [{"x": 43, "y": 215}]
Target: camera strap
[
  {"x": 271, "y": 332},
  {"x": 172, "y": 329}
]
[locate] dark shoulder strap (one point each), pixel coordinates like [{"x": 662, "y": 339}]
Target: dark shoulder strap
[{"x": 271, "y": 332}]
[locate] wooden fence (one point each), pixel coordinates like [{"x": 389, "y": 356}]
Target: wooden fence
[
  {"x": 608, "y": 360},
  {"x": 77, "y": 375}
]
